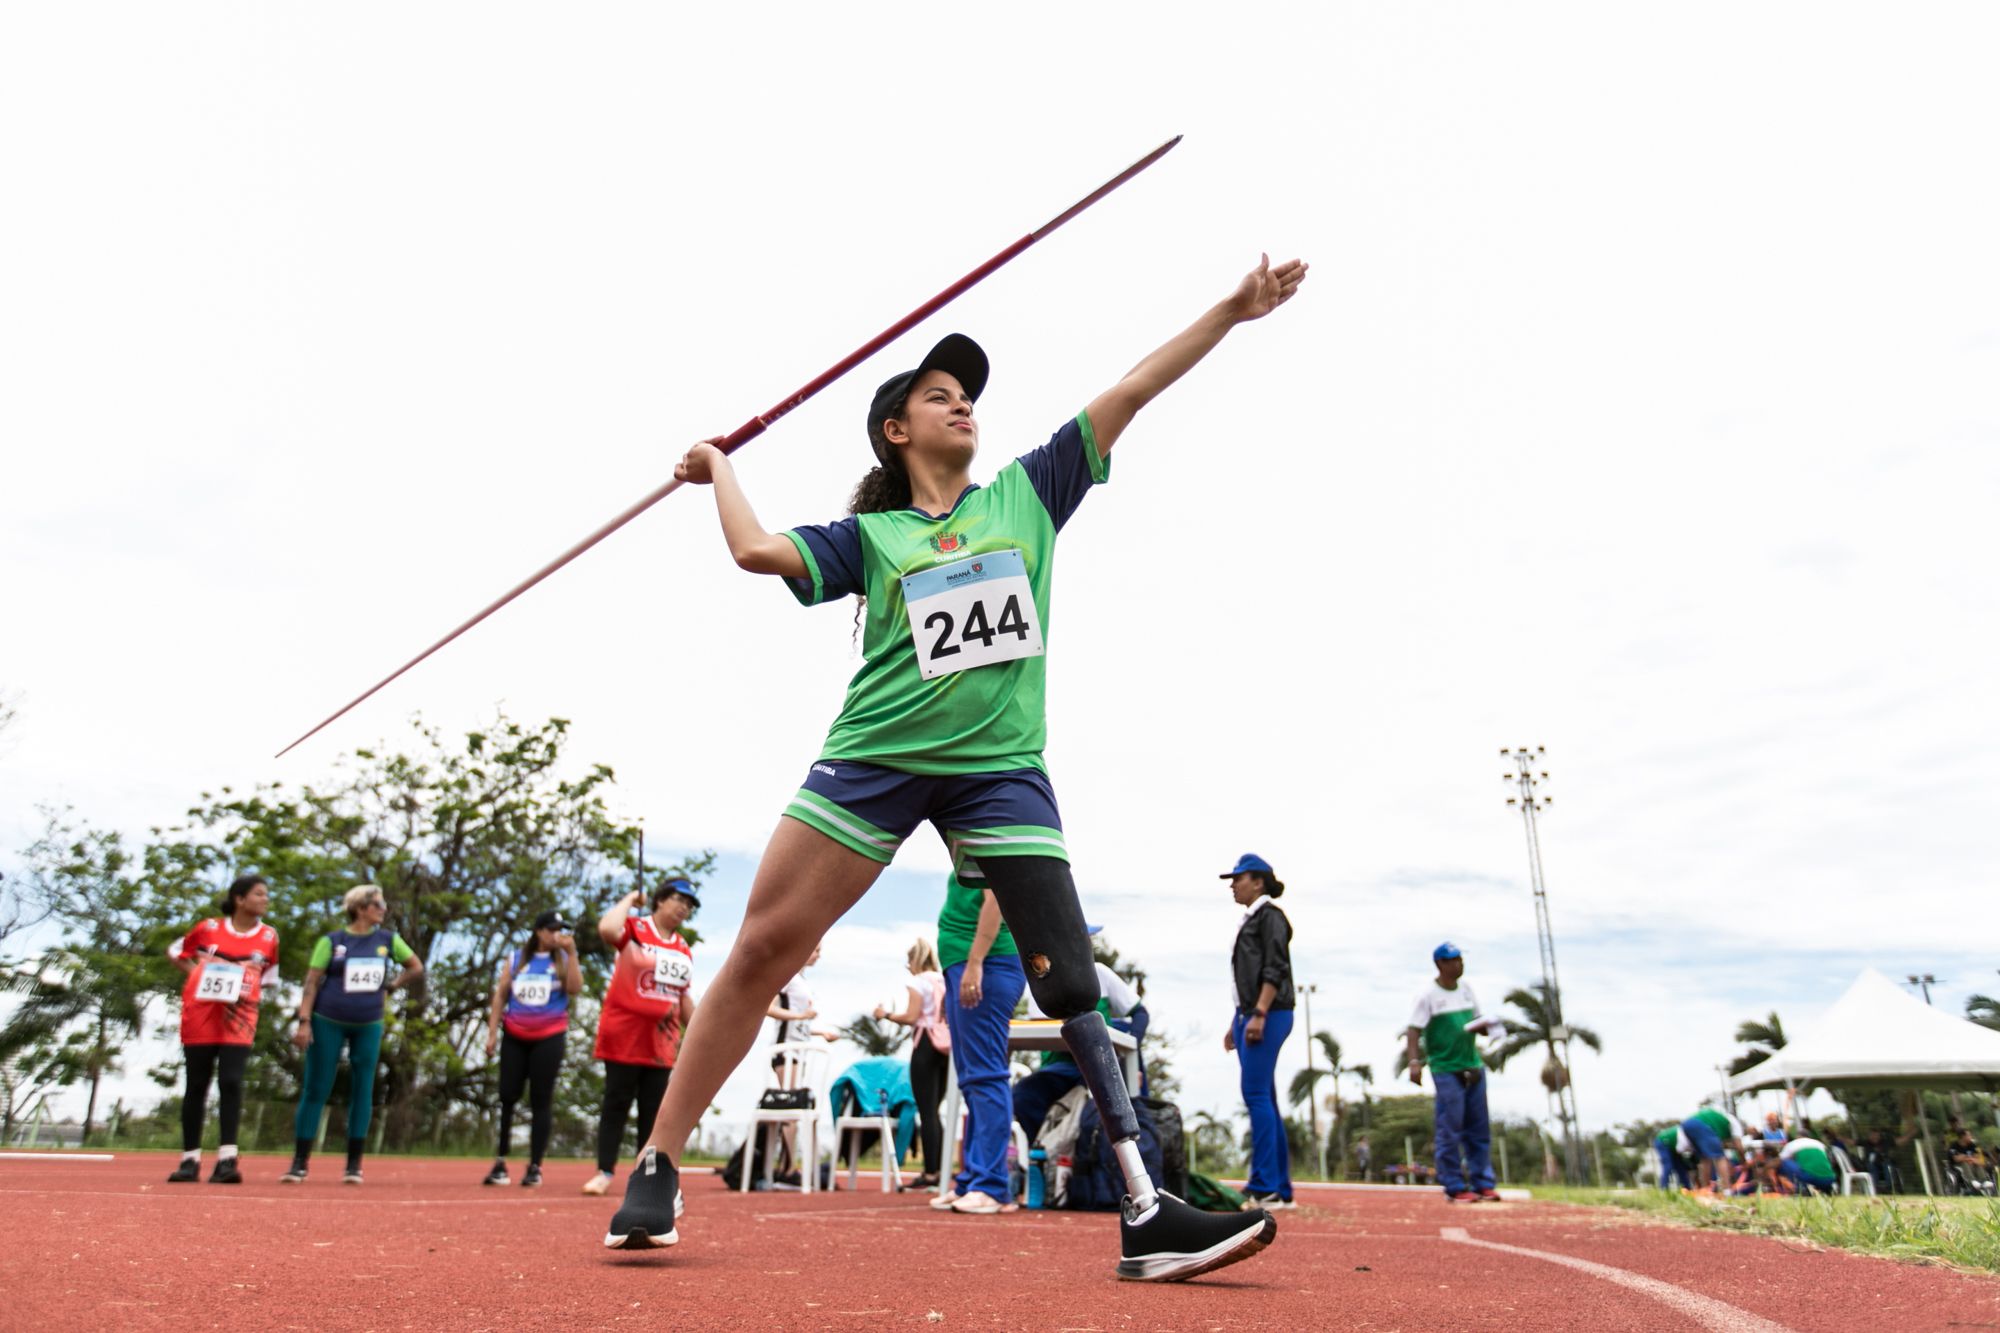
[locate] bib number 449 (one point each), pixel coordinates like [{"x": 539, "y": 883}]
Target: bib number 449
[{"x": 972, "y": 613}]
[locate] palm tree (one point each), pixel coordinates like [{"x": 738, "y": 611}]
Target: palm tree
[
  {"x": 1537, "y": 1007},
  {"x": 1769, "y": 1034},
  {"x": 1983, "y": 1010},
  {"x": 874, "y": 1038}
]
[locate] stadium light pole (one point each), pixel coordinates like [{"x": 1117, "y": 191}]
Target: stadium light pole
[
  {"x": 1312, "y": 1089},
  {"x": 1526, "y": 779}
]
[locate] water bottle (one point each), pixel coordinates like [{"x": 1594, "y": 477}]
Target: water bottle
[
  {"x": 1037, "y": 1159},
  {"x": 1061, "y": 1191}
]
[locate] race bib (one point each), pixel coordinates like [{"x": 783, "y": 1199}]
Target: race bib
[
  {"x": 220, "y": 982},
  {"x": 672, "y": 970},
  {"x": 365, "y": 974},
  {"x": 533, "y": 991},
  {"x": 972, "y": 613}
]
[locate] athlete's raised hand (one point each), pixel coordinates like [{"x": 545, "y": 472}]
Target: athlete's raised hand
[
  {"x": 697, "y": 465},
  {"x": 1264, "y": 288}
]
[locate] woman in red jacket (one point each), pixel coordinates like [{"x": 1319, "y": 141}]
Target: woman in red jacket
[{"x": 228, "y": 961}]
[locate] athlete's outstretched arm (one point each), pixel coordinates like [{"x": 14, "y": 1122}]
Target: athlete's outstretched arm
[
  {"x": 1262, "y": 290},
  {"x": 753, "y": 549}
]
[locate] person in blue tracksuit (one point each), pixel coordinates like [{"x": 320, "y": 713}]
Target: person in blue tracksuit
[{"x": 1261, "y": 964}]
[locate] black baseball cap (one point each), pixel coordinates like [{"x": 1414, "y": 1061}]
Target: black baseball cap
[
  {"x": 552, "y": 919},
  {"x": 955, "y": 354}
]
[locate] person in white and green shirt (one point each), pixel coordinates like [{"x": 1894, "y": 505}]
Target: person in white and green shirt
[
  {"x": 1442, "y": 1033},
  {"x": 1805, "y": 1163},
  {"x": 1712, "y": 1132}
]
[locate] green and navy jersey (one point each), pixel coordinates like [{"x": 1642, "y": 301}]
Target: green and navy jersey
[
  {"x": 958, "y": 922},
  {"x": 1441, "y": 1015},
  {"x": 985, "y": 719}
]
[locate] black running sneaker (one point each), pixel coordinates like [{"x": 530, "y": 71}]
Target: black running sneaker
[
  {"x": 225, "y": 1172},
  {"x": 1173, "y": 1240},
  {"x": 352, "y": 1175},
  {"x": 645, "y": 1221},
  {"x": 498, "y": 1175},
  {"x": 189, "y": 1169},
  {"x": 297, "y": 1174},
  {"x": 532, "y": 1178}
]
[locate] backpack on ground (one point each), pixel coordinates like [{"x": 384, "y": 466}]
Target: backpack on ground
[
  {"x": 1096, "y": 1183},
  {"x": 1173, "y": 1143}
]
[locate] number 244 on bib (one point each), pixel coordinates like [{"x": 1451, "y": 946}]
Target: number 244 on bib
[{"x": 972, "y": 613}]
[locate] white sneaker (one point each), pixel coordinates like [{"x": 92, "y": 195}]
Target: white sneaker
[
  {"x": 943, "y": 1202},
  {"x": 598, "y": 1184},
  {"x": 979, "y": 1203}
]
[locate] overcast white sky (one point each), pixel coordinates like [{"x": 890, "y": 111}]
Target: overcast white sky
[{"x": 1641, "y": 405}]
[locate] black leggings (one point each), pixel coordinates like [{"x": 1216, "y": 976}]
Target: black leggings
[
  {"x": 224, "y": 1064},
  {"x": 929, "y": 1068},
  {"x": 535, "y": 1063},
  {"x": 1037, "y": 898},
  {"x": 623, "y": 1083}
]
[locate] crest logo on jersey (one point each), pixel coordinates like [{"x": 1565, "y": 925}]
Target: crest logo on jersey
[
  {"x": 944, "y": 543},
  {"x": 977, "y": 566}
]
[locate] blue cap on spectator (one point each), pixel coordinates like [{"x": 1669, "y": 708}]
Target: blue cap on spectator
[
  {"x": 1444, "y": 951},
  {"x": 1248, "y": 861},
  {"x": 1092, "y": 930}
]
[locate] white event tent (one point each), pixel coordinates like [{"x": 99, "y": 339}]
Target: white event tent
[{"x": 1878, "y": 1035}]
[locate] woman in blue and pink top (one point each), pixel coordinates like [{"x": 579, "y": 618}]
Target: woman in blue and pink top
[{"x": 529, "y": 1025}]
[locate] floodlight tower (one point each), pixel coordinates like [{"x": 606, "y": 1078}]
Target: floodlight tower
[{"x": 1526, "y": 778}]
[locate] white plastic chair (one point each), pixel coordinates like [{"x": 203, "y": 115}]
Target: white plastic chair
[
  {"x": 802, "y": 1064},
  {"x": 1848, "y": 1175},
  {"x": 883, "y": 1124}
]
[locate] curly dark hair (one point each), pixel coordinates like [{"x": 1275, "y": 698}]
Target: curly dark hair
[{"x": 887, "y": 485}]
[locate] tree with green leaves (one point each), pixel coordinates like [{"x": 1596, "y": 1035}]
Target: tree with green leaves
[
  {"x": 1769, "y": 1034},
  {"x": 1305, "y": 1083},
  {"x": 468, "y": 840},
  {"x": 1536, "y": 1027},
  {"x": 1983, "y": 1010}
]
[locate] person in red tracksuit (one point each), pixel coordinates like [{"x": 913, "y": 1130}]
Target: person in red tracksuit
[{"x": 229, "y": 960}]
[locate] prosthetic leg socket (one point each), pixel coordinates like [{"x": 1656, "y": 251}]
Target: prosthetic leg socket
[{"x": 1089, "y": 1041}]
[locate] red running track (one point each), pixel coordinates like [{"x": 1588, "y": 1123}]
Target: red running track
[{"x": 423, "y": 1247}]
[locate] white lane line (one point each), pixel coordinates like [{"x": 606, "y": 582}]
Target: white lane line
[
  {"x": 1717, "y": 1316},
  {"x": 56, "y": 1156}
]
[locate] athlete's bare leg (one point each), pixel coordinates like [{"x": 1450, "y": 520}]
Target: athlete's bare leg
[{"x": 804, "y": 884}]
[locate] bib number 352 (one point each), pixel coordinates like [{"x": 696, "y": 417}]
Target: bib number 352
[{"x": 972, "y": 613}]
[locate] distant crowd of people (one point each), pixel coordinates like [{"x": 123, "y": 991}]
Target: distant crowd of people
[{"x": 1714, "y": 1152}]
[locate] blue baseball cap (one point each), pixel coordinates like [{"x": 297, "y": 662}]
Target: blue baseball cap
[
  {"x": 1249, "y": 861},
  {"x": 1092, "y": 930},
  {"x": 676, "y": 884},
  {"x": 1444, "y": 951}
]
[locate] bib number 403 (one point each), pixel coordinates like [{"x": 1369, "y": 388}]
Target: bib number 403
[{"x": 972, "y": 613}]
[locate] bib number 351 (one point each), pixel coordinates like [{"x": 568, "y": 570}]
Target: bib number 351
[{"x": 972, "y": 613}]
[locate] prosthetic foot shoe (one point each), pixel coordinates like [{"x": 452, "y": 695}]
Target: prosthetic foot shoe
[
  {"x": 645, "y": 1221},
  {"x": 1173, "y": 1240}
]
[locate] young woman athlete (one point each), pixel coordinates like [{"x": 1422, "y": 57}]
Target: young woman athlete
[
  {"x": 528, "y": 1025},
  {"x": 229, "y": 961},
  {"x": 943, "y": 722}
]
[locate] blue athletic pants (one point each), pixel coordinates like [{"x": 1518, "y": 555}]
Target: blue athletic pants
[
  {"x": 979, "y": 1056},
  {"x": 1270, "y": 1153},
  {"x": 1459, "y": 1124},
  {"x": 1672, "y": 1168}
]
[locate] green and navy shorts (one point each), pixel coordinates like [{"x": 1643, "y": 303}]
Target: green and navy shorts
[{"x": 873, "y": 809}]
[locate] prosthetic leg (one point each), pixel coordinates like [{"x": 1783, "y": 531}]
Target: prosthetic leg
[{"x": 1163, "y": 1238}]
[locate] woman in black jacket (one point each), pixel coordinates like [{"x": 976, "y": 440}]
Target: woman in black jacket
[{"x": 1264, "y": 999}]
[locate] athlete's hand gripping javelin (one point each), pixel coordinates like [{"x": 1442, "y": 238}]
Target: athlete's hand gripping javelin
[{"x": 949, "y": 419}]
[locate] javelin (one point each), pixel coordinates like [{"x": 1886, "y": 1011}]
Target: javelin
[{"x": 758, "y": 424}]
